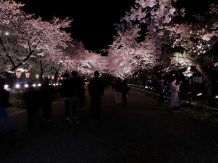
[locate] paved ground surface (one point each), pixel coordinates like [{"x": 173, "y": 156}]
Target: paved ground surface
[{"x": 136, "y": 133}]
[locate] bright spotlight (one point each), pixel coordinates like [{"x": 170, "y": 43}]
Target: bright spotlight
[
  {"x": 17, "y": 86},
  {"x": 6, "y": 86}
]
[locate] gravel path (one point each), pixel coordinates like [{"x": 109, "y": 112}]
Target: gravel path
[{"x": 136, "y": 133}]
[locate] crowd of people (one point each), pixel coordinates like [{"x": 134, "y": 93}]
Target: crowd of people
[
  {"x": 39, "y": 100},
  {"x": 72, "y": 91},
  {"x": 121, "y": 91}
]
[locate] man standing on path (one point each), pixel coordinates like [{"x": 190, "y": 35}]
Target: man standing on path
[
  {"x": 161, "y": 92},
  {"x": 96, "y": 91},
  {"x": 46, "y": 93},
  {"x": 65, "y": 94},
  {"x": 118, "y": 90},
  {"x": 125, "y": 91},
  {"x": 4, "y": 101},
  {"x": 32, "y": 99},
  {"x": 76, "y": 90}
]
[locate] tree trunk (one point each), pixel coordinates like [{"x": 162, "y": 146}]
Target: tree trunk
[{"x": 209, "y": 84}]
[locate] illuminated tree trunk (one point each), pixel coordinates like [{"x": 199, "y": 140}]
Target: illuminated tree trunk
[{"x": 209, "y": 84}]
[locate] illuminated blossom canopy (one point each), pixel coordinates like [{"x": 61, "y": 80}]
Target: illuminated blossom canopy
[
  {"x": 23, "y": 36},
  {"x": 148, "y": 52},
  {"x": 152, "y": 33}
]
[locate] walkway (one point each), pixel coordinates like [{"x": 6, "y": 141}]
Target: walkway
[{"x": 136, "y": 133}]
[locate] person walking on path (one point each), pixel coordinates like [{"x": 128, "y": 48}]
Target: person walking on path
[
  {"x": 96, "y": 91},
  {"x": 46, "y": 94},
  {"x": 174, "y": 96},
  {"x": 4, "y": 101},
  {"x": 32, "y": 99},
  {"x": 161, "y": 92},
  {"x": 118, "y": 90},
  {"x": 65, "y": 94},
  {"x": 76, "y": 92},
  {"x": 125, "y": 91},
  {"x": 83, "y": 96}
]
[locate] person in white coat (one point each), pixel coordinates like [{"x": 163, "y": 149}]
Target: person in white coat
[{"x": 174, "y": 96}]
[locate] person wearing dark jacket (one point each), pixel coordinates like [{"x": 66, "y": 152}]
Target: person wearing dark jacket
[
  {"x": 125, "y": 91},
  {"x": 96, "y": 91},
  {"x": 4, "y": 101},
  {"x": 32, "y": 99},
  {"x": 76, "y": 90},
  {"x": 161, "y": 92},
  {"x": 46, "y": 94},
  {"x": 65, "y": 94},
  {"x": 118, "y": 90}
]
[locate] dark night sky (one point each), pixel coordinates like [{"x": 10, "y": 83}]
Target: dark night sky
[
  {"x": 93, "y": 22},
  {"x": 93, "y": 19}
]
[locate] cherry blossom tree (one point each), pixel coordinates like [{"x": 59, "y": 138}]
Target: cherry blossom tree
[
  {"x": 196, "y": 38},
  {"x": 23, "y": 35},
  {"x": 145, "y": 46},
  {"x": 77, "y": 58}
]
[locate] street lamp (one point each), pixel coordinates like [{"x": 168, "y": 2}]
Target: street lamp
[{"x": 18, "y": 75}]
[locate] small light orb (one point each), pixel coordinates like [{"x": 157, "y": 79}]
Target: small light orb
[
  {"x": 6, "y": 86},
  {"x": 17, "y": 86}
]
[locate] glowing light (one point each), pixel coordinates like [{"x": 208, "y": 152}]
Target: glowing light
[
  {"x": 26, "y": 85},
  {"x": 6, "y": 86},
  {"x": 17, "y": 86},
  {"x": 189, "y": 68},
  {"x": 199, "y": 94}
]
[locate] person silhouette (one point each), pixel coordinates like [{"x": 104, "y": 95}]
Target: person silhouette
[
  {"x": 161, "y": 92},
  {"x": 32, "y": 99},
  {"x": 46, "y": 93},
  {"x": 125, "y": 91},
  {"x": 174, "y": 97},
  {"x": 76, "y": 89},
  {"x": 65, "y": 94},
  {"x": 96, "y": 91},
  {"x": 4, "y": 101},
  {"x": 118, "y": 90}
]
